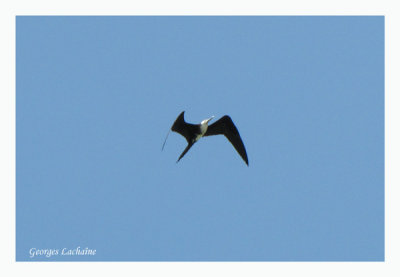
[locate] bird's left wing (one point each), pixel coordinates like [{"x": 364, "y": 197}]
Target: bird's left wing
[{"x": 224, "y": 126}]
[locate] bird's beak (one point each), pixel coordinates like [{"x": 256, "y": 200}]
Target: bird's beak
[{"x": 208, "y": 120}]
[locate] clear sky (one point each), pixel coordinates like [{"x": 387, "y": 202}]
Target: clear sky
[{"x": 97, "y": 95}]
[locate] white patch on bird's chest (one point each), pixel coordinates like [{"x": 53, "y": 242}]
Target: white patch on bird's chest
[
  {"x": 197, "y": 137},
  {"x": 203, "y": 130}
]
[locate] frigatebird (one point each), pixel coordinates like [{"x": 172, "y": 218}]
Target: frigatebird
[{"x": 193, "y": 132}]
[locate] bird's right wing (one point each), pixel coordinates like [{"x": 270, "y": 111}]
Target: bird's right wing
[
  {"x": 224, "y": 126},
  {"x": 185, "y": 129}
]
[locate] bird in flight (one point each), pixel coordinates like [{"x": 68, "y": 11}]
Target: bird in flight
[{"x": 193, "y": 132}]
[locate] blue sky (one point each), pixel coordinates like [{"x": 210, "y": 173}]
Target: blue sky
[{"x": 97, "y": 95}]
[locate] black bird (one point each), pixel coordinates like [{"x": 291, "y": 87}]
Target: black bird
[{"x": 193, "y": 132}]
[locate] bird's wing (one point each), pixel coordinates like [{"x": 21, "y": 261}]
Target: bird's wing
[
  {"x": 224, "y": 126},
  {"x": 185, "y": 129}
]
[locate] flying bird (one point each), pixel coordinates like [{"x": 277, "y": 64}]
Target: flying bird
[{"x": 193, "y": 132}]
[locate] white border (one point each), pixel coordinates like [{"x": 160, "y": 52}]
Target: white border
[{"x": 9, "y": 9}]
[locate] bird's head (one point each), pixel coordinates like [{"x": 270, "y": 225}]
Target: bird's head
[{"x": 205, "y": 121}]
